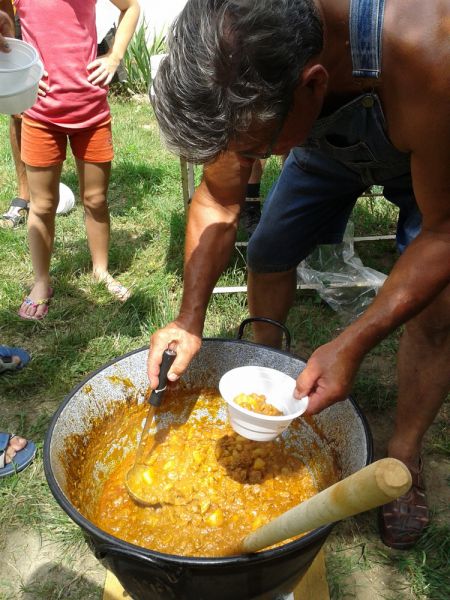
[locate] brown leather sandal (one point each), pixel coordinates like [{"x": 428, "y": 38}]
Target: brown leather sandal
[{"x": 402, "y": 522}]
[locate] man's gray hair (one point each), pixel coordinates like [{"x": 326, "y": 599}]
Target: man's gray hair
[{"x": 231, "y": 63}]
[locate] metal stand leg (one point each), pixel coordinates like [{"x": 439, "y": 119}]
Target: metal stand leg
[{"x": 187, "y": 183}]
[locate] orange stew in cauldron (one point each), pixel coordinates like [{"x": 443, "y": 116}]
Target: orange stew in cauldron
[{"x": 211, "y": 486}]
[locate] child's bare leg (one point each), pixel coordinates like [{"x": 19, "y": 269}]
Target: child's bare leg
[
  {"x": 94, "y": 180},
  {"x": 44, "y": 186},
  {"x": 15, "y": 130},
  {"x": 16, "y": 213}
]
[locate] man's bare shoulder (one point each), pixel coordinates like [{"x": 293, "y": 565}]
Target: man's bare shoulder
[
  {"x": 416, "y": 68},
  {"x": 416, "y": 41}
]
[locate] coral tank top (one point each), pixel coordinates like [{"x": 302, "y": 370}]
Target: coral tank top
[{"x": 64, "y": 34}]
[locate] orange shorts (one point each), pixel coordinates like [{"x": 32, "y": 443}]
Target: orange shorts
[{"x": 44, "y": 144}]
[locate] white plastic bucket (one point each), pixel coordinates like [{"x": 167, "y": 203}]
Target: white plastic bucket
[
  {"x": 20, "y": 72},
  {"x": 15, "y": 66},
  {"x": 277, "y": 387}
]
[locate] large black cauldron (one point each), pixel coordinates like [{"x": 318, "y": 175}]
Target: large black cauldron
[{"x": 148, "y": 575}]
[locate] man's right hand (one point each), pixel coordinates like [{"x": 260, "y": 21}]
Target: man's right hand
[{"x": 175, "y": 337}]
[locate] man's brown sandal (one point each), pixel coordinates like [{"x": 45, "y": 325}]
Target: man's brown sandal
[{"x": 403, "y": 521}]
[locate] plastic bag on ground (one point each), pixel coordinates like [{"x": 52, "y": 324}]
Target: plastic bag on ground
[{"x": 340, "y": 278}]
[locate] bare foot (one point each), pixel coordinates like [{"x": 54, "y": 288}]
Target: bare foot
[
  {"x": 114, "y": 287},
  {"x": 16, "y": 444},
  {"x": 15, "y": 360}
]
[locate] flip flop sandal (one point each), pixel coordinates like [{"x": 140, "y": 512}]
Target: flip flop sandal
[
  {"x": 403, "y": 521},
  {"x": 118, "y": 290},
  {"x": 21, "y": 459},
  {"x": 16, "y": 214},
  {"x": 115, "y": 288},
  {"x": 6, "y": 356},
  {"x": 29, "y": 302}
]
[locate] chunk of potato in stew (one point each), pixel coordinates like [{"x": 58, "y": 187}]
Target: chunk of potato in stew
[{"x": 257, "y": 403}]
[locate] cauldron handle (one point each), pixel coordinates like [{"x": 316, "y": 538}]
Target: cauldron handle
[
  {"x": 286, "y": 331},
  {"x": 103, "y": 551}
]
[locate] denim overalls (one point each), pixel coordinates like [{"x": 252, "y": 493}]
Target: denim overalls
[{"x": 345, "y": 153}]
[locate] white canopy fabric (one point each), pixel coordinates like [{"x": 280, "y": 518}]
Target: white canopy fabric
[{"x": 106, "y": 16}]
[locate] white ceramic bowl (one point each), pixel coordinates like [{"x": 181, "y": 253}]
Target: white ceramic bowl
[{"x": 278, "y": 389}]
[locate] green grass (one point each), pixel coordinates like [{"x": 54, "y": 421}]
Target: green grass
[
  {"x": 86, "y": 328},
  {"x": 343, "y": 562},
  {"x": 426, "y": 567}
]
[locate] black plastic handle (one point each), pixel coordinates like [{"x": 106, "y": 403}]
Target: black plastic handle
[
  {"x": 167, "y": 360},
  {"x": 286, "y": 331}
]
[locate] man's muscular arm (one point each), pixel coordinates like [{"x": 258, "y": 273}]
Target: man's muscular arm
[
  {"x": 210, "y": 237},
  {"x": 419, "y": 274}
]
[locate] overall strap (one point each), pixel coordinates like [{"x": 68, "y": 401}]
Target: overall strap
[{"x": 366, "y": 24}]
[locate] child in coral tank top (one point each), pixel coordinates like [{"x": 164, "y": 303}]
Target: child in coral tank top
[{"x": 72, "y": 106}]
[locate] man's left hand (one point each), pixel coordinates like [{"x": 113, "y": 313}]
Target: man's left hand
[{"x": 327, "y": 377}]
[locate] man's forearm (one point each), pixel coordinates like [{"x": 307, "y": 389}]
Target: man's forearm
[
  {"x": 210, "y": 238},
  {"x": 417, "y": 278},
  {"x": 211, "y": 233}
]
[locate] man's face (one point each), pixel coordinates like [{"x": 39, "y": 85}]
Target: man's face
[{"x": 280, "y": 136}]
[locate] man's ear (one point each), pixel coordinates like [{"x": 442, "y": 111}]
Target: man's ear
[{"x": 315, "y": 77}]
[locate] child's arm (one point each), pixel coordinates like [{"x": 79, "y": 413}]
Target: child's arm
[{"x": 103, "y": 68}]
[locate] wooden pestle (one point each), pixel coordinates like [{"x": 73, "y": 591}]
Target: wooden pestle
[{"x": 372, "y": 486}]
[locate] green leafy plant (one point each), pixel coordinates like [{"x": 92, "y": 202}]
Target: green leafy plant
[{"x": 137, "y": 59}]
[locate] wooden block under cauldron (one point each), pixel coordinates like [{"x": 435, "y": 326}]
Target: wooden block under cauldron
[
  {"x": 313, "y": 586},
  {"x": 113, "y": 590}
]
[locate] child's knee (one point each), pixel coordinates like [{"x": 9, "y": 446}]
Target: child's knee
[
  {"x": 95, "y": 202},
  {"x": 43, "y": 206}
]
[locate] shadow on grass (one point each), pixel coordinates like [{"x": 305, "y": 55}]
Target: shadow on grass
[
  {"x": 85, "y": 328},
  {"x": 78, "y": 336},
  {"x": 73, "y": 257},
  {"x": 132, "y": 186},
  {"x": 175, "y": 249},
  {"x": 425, "y": 566},
  {"x": 51, "y": 580}
]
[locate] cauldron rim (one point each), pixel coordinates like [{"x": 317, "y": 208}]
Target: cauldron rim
[{"x": 153, "y": 555}]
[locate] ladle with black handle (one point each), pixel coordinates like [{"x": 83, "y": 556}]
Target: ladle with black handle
[{"x": 138, "y": 479}]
